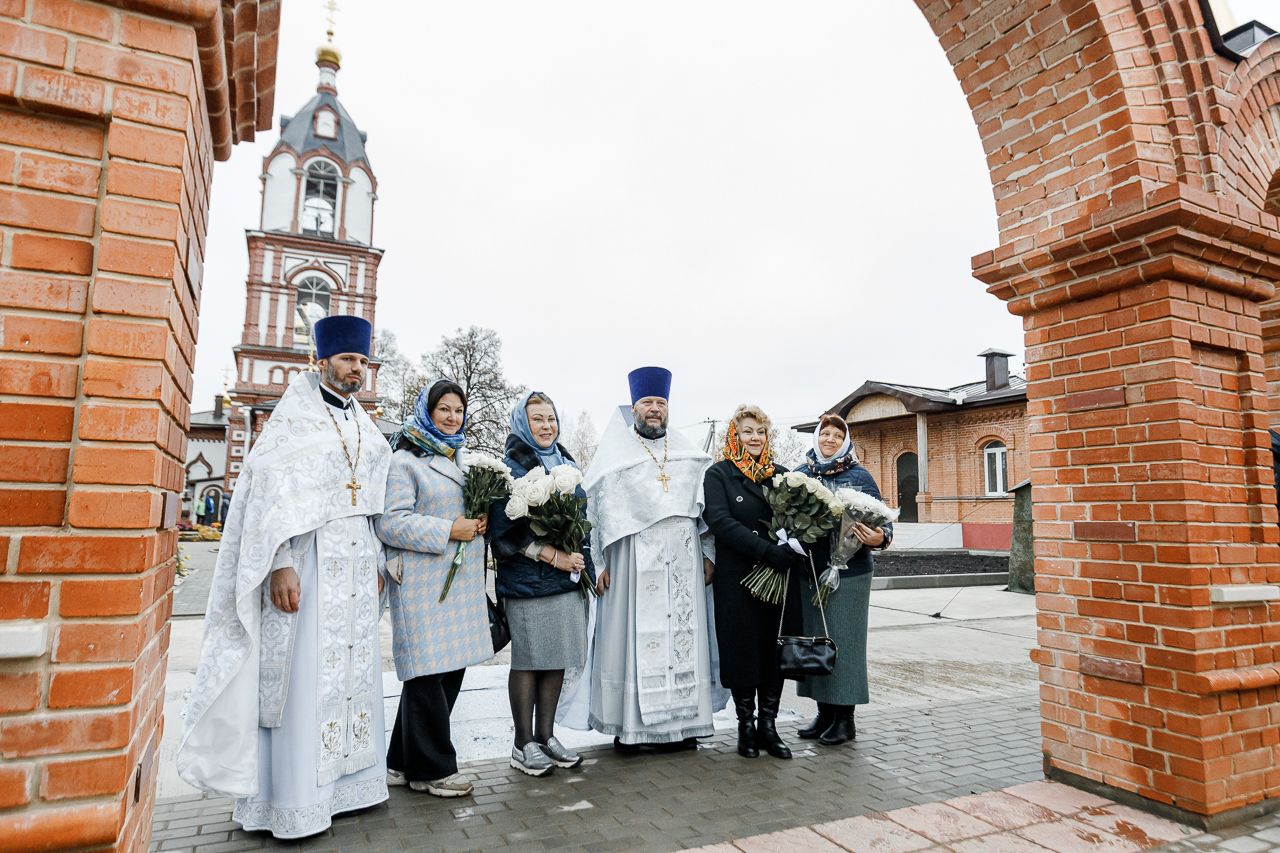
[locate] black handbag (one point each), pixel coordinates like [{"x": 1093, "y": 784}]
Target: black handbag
[
  {"x": 802, "y": 656},
  {"x": 499, "y": 631}
]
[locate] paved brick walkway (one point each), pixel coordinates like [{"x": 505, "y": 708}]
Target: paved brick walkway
[
  {"x": 1255, "y": 836},
  {"x": 1035, "y": 817},
  {"x": 903, "y": 757}
]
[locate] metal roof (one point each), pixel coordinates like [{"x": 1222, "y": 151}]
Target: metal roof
[{"x": 298, "y": 131}]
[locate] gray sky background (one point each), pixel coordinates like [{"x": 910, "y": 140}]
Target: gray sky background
[{"x": 775, "y": 200}]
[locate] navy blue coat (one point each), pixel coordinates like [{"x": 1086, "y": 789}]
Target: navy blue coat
[
  {"x": 519, "y": 576},
  {"x": 855, "y": 477}
]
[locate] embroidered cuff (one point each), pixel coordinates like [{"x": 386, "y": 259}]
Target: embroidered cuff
[{"x": 284, "y": 556}]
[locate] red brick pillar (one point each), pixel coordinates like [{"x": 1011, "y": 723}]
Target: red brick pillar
[
  {"x": 109, "y": 123},
  {"x": 1153, "y": 497}
]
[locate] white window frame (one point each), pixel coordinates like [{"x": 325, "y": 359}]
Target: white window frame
[{"x": 998, "y": 451}]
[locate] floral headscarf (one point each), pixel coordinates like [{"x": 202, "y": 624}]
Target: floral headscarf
[
  {"x": 420, "y": 430},
  {"x": 755, "y": 470}
]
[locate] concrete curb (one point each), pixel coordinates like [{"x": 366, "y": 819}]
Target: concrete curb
[{"x": 936, "y": 581}]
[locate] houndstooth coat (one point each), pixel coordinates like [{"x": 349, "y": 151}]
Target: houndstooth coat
[{"x": 424, "y": 496}]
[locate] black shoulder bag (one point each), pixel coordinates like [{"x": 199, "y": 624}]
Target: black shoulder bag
[{"x": 801, "y": 656}]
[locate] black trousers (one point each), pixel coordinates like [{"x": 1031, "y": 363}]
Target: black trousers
[{"x": 420, "y": 746}]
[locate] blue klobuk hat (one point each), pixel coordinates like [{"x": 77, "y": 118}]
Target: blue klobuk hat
[
  {"x": 649, "y": 382},
  {"x": 343, "y": 333}
]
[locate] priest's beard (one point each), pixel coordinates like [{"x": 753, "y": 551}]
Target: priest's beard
[
  {"x": 652, "y": 432},
  {"x": 351, "y": 386}
]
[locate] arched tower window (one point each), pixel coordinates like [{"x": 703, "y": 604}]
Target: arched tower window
[
  {"x": 996, "y": 467},
  {"x": 320, "y": 202},
  {"x": 312, "y": 305}
]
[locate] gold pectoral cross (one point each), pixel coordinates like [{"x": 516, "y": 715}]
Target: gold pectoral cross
[
  {"x": 664, "y": 479},
  {"x": 354, "y": 487}
]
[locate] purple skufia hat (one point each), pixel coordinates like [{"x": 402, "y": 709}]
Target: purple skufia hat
[
  {"x": 342, "y": 333},
  {"x": 649, "y": 382}
]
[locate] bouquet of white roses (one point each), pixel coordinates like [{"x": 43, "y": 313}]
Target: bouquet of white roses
[
  {"x": 804, "y": 510},
  {"x": 859, "y": 508},
  {"x": 487, "y": 480},
  {"x": 549, "y": 499}
]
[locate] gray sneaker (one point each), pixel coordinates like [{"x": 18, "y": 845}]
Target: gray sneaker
[
  {"x": 450, "y": 786},
  {"x": 396, "y": 779},
  {"x": 531, "y": 759},
  {"x": 561, "y": 755}
]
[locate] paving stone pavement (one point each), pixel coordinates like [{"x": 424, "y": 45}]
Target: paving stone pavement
[
  {"x": 1254, "y": 836},
  {"x": 658, "y": 802}
]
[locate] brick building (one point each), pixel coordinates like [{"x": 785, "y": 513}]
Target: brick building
[
  {"x": 1134, "y": 156},
  {"x": 310, "y": 256},
  {"x": 946, "y": 457}
]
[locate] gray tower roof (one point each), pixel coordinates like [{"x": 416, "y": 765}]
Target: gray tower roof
[{"x": 298, "y": 131}]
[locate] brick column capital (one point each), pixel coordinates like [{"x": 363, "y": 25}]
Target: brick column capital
[{"x": 1176, "y": 234}]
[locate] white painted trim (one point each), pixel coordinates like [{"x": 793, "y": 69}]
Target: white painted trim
[
  {"x": 1243, "y": 593},
  {"x": 264, "y": 314},
  {"x": 282, "y": 308},
  {"x": 23, "y": 639}
]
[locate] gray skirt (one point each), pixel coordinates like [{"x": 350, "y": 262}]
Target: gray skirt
[
  {"x": 548, "y": 632},
  {"x": 848, "y": 614}
]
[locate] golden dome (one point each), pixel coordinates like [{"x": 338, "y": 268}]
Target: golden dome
[{"x": 328, "y": 53}]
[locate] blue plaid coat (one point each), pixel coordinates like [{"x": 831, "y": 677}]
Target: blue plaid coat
[{"x": 424, "y": 496}]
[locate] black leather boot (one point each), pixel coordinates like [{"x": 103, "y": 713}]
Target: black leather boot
[
  {"x": 745, "y": 704},
  {"x": 766, "y": 727},
  {"x": 841, "y": 729},
  {"x": 826, "y": 715}
]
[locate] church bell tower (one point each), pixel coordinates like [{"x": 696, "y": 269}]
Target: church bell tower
[{"x": 311, "y": 256}]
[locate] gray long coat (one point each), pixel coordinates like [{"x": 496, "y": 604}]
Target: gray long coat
[{"x": 424, "y": 496}]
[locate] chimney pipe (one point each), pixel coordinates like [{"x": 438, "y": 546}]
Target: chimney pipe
[
  {"x": 217, "y": 406},
  {"x": 997, "y": 368}
]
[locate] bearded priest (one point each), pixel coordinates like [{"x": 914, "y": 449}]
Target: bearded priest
[
  {"x": 651, "y": 672},
  {"x": 286, "y": 713}
]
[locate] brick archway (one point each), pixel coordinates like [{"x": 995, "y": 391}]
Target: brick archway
[{"x": 1131, "y": 166}]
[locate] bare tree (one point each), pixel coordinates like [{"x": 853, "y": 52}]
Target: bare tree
[
  {"x": 398, "y": 379},
  {"x": 472, "y": 357},
  {"x": 582, "y": 440}
]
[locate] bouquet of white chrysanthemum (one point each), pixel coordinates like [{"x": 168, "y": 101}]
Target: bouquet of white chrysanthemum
[
  {"x": 859, "y": 508},
  {"x": 556, "y": 513},
  {"x": 804, "y": 510},
  {"x": 486, "y": 480}
]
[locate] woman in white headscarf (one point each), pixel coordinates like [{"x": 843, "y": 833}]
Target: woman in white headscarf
[{"x": 834, "y": 461}]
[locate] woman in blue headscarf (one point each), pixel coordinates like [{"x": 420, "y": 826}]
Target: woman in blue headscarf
[
  {"x": 539, "y": 585},
  {"x": 434, "y": 641}
]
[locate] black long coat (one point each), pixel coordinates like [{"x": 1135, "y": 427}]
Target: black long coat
[{"x": 746, "y": 627}]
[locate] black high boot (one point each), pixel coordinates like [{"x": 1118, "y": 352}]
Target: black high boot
[
  {"x": 841, "y": 729},
  {"x": 826, "y": 714},
  {"x": 766, "y": 727},
  {"x": 744, "y": 703}
]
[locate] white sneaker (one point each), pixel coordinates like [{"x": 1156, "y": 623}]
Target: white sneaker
[
  {"x": 450, "y": 786},
  {"x": 531, "y": 760},
  {"x": 396, "y": 779},
  {"x": 561, "y": 755}
]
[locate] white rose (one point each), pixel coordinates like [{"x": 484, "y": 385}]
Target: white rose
[
  {"x": 539, "y": 491},
  {"x": 566, "y": 478},
  {"x": 795, "y": 479},
  {"x": 517, "y": 507}
]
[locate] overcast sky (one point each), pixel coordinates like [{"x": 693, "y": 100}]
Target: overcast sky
[{"x": 777, "y": 201}]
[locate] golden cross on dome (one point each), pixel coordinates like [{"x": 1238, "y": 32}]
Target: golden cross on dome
[{"x": 332, "y": 7}]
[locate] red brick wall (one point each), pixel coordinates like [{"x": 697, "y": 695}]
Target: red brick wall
[
  {"x": 956, "y": 480},
  {"x": 106, "y": 152}
]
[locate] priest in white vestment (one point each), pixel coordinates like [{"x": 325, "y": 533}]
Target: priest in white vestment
[
  {"x": 287, "y": 711},
  {"x": 651, "y": 673}
]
